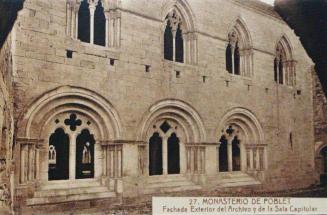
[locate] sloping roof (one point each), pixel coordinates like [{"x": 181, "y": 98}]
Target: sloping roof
[{"x": 259, "y": 6}]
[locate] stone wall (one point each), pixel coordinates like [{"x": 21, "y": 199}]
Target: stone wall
[
  {"x": 320, "y": 121},
  {"x": 284, "y": 112},
  {"x": 6, "y": 125}
]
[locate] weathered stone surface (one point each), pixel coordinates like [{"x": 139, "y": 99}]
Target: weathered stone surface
[{"x": 124, "y": 92}]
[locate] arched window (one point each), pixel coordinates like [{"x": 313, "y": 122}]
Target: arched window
[
  {"x": 92, "y": 31},
  {"x": 99, "y": 25},
  {"x": 173, "y": 38},
  {"x": 180, "y": 42},
  {"x": 239, "y": 51},
  {"x": 93, "y": 21},
  {"x": 84, "y": 22},
  {"x": 284, "y": 65},
  {"x": 229, "y": 151},
  {"x": 168, "y": 42}
]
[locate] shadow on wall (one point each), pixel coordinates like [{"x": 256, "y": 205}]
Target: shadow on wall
[{"x": 8, "y": 15}]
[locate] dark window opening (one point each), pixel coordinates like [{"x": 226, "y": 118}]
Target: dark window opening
[
  {"x": 178, "y": 74},
  {"x": 69, "y": 54},
  {"x": 280, "y": 73},
  {"x": 85, "y": 155},
  {"x": 99, "y": 25},
  {"x": 229, "y": 63},
  {"x": 84, "y": 22},
  {"x": 179, "y": 46},
  {"x": 112, "y": 62},
  {"x": 147, "y": 68},
  {"x": 236, "y": 154},
  {"x": 204, "y": 78},
  {"x": 298, "y": 92},
  {"x": 58, "y": 155},
  {"x": 237, "y": 61},
  {"x": 155, "y": 155},
  {"x": 173, "y": 154},
  {"x": 168, "y": 42},
  {"x": 223, "y": 160},
  {"x": 275, "y": 69}
]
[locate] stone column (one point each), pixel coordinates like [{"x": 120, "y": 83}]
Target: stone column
[
  {"x": 75, "y": 21},
  {"x": 174, "y": 44},
  {"x": 257, "y": 159},
  {"x": 232, "y": 49},
  {"x": 31, "y": 163},
  {"x": 164, "y": 157},
  {"x": 230, "y": 154},
  {"x": 184, "y": 36},
  {"x": 217, "y": 161},
  {"x": 72, "y": 157},
  {"x": 111, "y": 28},
  {"x": 107, "y": 15},
  {"x": 92, "y": 7},
  {"x": 22, "y": 163},
  {"x": 195, "y": 50},
  {"x": 251, "y": 159},
  {"x": 69, "y": 18},
  {"x": 117, "y": 30}
]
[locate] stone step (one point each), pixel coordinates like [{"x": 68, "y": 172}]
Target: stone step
[
  {"x": 71, "y": 191},
  {"x": 168, "y": 183},
  {"x": 51, "y": 185},
  {"x": 157, "y": 180},
  {"x": 238, "y": 184},
  {"x": 235, "y": 179},
  {"x": 69, "y": 198},
  {"x": 157, "y": 190}
]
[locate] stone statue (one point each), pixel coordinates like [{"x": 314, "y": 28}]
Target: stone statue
[{"x": 86, "y": 154}]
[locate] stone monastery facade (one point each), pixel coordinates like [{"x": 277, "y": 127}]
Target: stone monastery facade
[{"x": 126, "y": 98}]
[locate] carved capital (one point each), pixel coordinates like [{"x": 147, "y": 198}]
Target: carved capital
[{"x": 233, "y": 38}]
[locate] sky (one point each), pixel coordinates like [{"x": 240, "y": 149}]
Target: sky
[{"x": 269, "y": 1}]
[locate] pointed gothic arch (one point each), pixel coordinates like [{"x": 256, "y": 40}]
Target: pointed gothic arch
[
  {"x": 284, "y": 64},
  {"x": 179, "y": 38},
  {"x": 239, "y": 53}
]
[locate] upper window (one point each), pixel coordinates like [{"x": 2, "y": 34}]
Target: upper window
[
  {"x": 239, "y": 51},
  {"x": 92, "y": 23},
  {"x": 284, "y": 65},
  {"x": 180, "y": 42},
  {"x": 173, "y": 38}
]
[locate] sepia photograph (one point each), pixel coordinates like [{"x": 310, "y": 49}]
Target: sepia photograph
[{"x": 163, "y": 107}]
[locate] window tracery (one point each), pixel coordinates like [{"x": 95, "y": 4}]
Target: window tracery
[
  {"x": 94, "y": 21},
  {"x": 180, "y": 42},
  {"x": 239, "y": 54},
  {"x": 284, "y": 65}
]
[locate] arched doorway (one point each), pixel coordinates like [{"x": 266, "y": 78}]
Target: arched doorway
[
  {"x": 165, "y": 148},
  {"x": 243, "y": 135},
  {"x": 155, "y": 154},
  {"x": 85, "y": 155},
  {"x": 230, "y": 149},
  {"x": 72, "y": 151},
  {"x": 58, "y": 155}
]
